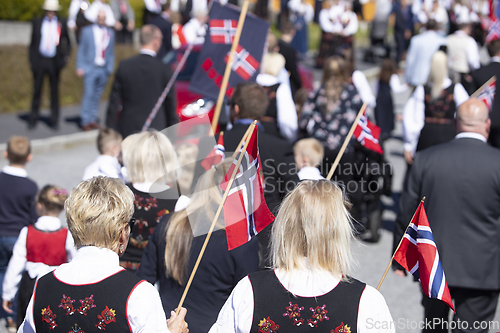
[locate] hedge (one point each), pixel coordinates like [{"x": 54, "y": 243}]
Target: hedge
[{"x": 26, "y": 10}]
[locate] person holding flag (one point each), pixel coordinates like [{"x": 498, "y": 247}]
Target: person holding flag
[
  {"x": 311, "y": 257},
  {"x": 461, "y": 181}
]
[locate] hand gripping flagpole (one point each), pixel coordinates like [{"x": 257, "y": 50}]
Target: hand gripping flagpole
[
  {"x": 478, "y": 92},
  {"x": 216, "y": 217},
  {"x": 392, "y": 258},
  {"x": 346, "y": 142},
  {"x": 227, "y": 72},
  {"x": 165, "y": 92}
]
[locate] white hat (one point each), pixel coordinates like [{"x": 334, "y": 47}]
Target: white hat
[
  {"x": 462, "y": 15},
  {"x": 52, "y": 5}
]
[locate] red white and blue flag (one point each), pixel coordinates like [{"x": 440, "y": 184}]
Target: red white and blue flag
[
  {"x": 216, "y": 155},
  {"x": 212, "y": 60},
  {"x": 368, "y": 134},
  {"x": 493, "y": 31},
  {"x": 222, "y": 31},
  {"x": 245, "y": 210},
  {"x": 243, "y": 63},
  {"x": 418, "y": 254},
  {"x": 488, "y": 93}
]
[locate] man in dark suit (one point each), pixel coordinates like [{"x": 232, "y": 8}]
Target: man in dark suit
[
  {"x": 249, "y": 103},
  {"x": 483, "y": 74},
  {"x": 287, "y": 34},
  {"x": 461, "y": 181},
  {"x": 95, "y": 62},
  {"x": 162, "y": 21},
  {"x": 139, "y": 82},
  {"x": 48, "y": 53}
]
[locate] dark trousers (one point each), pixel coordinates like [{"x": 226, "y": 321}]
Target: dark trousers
[
  {"x": 45, "y": 66},
  {"x": 474, "y": 310}
]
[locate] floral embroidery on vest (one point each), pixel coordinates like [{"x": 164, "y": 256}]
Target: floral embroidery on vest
[
  {"x": 48, "y": 317},
  {"x": 67, "y": 304},
  {"x": 76, "y": 329},
  {"x": 319, "y": 313},
  {"x": 342, "y": 328},
  {"x": 293, "y": 312},
  {"x": 107, "y": 316},
  {"x": 87, "y": 304},
  {"x": 266, "y": 325}
]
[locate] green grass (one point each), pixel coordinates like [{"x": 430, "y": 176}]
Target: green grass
[{"x": 16, "y": 86}]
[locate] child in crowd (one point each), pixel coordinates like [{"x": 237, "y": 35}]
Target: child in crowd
[
  {"x": 17, "y": 197},
  {"x": 106, "y": 164},
  {"x": 308, "y": 155},
  {"x": 39, "y": 248}
]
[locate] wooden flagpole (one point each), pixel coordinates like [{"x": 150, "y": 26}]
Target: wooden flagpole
[
  {"x": 229, "y": 65},
  {"x": 401, "y": 241},
  {"x": 226, "y": 193},
  {"x": 242, "y": 140},
  {"x": 477, "y": 92},
  {"x": 346, "y": 142}
]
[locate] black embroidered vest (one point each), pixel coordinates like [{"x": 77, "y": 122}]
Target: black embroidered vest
[
  {"x": 61, "y": 307},
  {"x": 442, "y": 107},
  {"x": 277, "y": 310}
]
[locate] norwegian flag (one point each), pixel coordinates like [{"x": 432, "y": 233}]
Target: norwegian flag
[
  {"x": 493, "y": 31},
  {"x": 367, "y": 133},
  {"x": 487, "y": 95},
  {"x": 418, "y": 254},
  {"x": 222, "y": 31},
  {"x": 212, "y": 60},
  {"x": 243, "y": 63},
  {"x": 245, "y": 210},
  {"x": 216, "y": 155}
]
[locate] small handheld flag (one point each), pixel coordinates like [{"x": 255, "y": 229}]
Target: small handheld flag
[
  {"x": 216, "y": 155},
  {"x": 418, "y": 254},
  {"x": 367, "y": 133},
  {"x": 487, "y": 94},
  {"x": 245, "y": 210}
]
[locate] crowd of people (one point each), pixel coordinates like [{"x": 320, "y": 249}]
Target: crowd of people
[{"x": 128, "y": 228}]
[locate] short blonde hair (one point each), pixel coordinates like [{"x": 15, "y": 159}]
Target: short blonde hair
[
  {"x": 18, "y": 149},
  {"x": 310, "y": 148},
  {"x": 313, "y": 222},
  {"x": 150, "y": 157},
  {"x": 107, "y": 138},
  {"x": 97, "y": 210}
]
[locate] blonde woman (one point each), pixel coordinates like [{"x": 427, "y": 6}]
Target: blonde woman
[
  {"x": 429, "y": 113},
  {"x": 152, "y": 171},
  {"x": 93, "y": 292},
  {"x": 310, "y": 283},
  {"x": 174, "y": 247}
]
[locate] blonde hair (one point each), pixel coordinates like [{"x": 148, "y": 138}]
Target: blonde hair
[
  {"x": 150, "y": 157},
  {"x": 106, "y": 139},
  {"x": 187, "y": 154},
  {"x": 439, "y": 71},
  {"x": 97, "y": 211},
  {"x": 310, "y": 148},
  {"x": 18, "y": 149},
  {"x": 182, "y": 225},
  {"x": 52, "y": 198},
  {"x": 313, "y": 222},
  {"x": 335, "y": 76},
  {"x": 272, "y": 63}
]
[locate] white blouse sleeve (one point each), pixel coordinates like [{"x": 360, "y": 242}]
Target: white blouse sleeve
[
  {"x": 236, "y": 315},
  {"x": 16, "y": 267},
  {"x": 396, "y": 85},
  {"x": 473, "y": 54},
  {"x": 353, "y": 25},
  {"x": 460, "y": 95},
  {"x": 413, "y": 119},
  {"x": 287, "y": 114},
  {"x": 363, "y": 87},
  {"x": 145, "y": 311},
  {"x": 373, "y": 313},
  {"x": 324, "y": 21}
]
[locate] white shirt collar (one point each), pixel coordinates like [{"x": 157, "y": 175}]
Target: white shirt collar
[
  {"x": 48, "y": 223},
  {"x": 310, "y": 173},
  {"x": 470, "y": 135},
  {"x": 266, "y": 79},
  {"x": 148, "y": 52},
  {"x": 13, "y": 171},
  {"x": 497, "y": 59},
  {"x": 150, "y": 187}
]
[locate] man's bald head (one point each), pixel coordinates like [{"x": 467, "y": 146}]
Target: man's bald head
[{"x": 472, "y": 116}]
